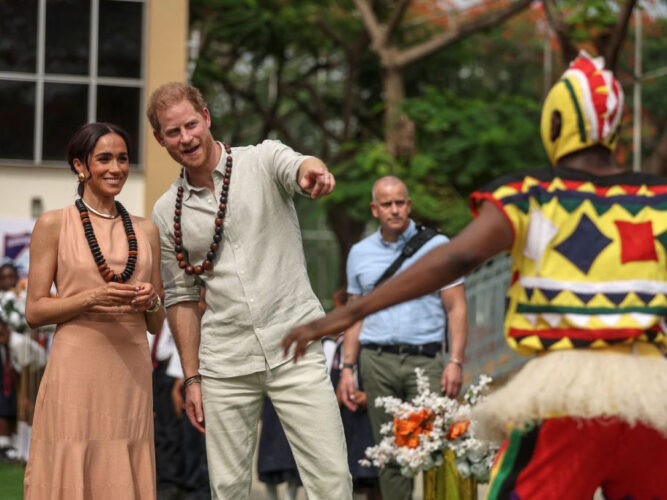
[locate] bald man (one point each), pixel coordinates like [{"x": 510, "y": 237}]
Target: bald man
[{"x": 395, "y": 341}]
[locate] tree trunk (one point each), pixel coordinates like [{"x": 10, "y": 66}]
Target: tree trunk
[
  {"x": 657, "y": 164},
  {"x": 399, "y": 129},
  {"x": 348, "y": 232}
]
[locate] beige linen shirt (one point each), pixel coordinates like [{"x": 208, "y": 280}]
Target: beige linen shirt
[{"x": 258, "y": 288}]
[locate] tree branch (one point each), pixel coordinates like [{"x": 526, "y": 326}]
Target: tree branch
[
  {"x": 318, "y": 115},
  {"x": 370, "y": 22},
  {"x": 618, "y": 34},
  {"x": 351, "y": 86},
  {"x": 333, "y": 34},
  {"x": 560, "y": 27},
  {"x": 394, "y": 20},
  {"x": 657, "y": 164},
  {"x": 405, "y": 57},
  {"x": 275, "y": 123}
]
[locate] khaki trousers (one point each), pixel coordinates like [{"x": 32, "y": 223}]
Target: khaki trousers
[
  {"x": 387, "y": 374},
  {"x": 304, "y": 400}
]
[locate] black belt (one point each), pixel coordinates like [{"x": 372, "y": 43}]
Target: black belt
[{"x": 430, "y": 350}]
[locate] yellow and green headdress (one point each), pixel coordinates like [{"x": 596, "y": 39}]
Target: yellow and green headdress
[{"x": 589, "y": 102}]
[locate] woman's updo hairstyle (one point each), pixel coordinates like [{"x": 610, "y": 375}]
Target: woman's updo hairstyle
[{"x": 84, "y": 140}]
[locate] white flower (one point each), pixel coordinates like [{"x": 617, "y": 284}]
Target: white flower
[
  {"x": 480, "y": 471},
  {"x": 463, "y": 468}
]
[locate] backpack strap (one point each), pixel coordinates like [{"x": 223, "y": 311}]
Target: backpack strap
[{"x": 415, "y": 243}]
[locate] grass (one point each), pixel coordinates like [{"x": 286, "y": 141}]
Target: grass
[{"x": 11, "y": 482}]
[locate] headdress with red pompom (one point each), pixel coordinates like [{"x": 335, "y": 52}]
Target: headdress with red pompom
[{"x": 588, "y": 100}]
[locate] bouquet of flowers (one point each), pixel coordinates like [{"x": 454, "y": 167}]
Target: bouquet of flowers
[
  {"x": 422, "y": 429},
  {"x": 12, "y": 311}
]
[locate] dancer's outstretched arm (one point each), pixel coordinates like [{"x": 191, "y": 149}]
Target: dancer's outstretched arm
[{"x": 483, "y": 238}]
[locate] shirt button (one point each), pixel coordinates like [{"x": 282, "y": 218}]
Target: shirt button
[
  {"x": 236, "y": 247},
  {"x": 252, "y": 300}
]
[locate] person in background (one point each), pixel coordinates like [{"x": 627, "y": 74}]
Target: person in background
[
  {"x": 194, "y": 481},
  {"x": 275, "y": 461},
  {"x": 391, "y": 343},
  {"x": 167, "y": 425},
  {"x": 357, "y": 426},
  {"x": 9, "y": 277},
  {"x": 7, "y": 393}
]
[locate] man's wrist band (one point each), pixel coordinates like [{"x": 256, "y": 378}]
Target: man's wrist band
[
  {"x": 195, "y": 379},
  {"x": 348, "y": 365},
  {"x": 156, "y": 306},
  {"x": 456, "y": 361}
]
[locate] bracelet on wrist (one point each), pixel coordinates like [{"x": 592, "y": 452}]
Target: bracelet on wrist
[
  {"x": 457, "y": 361},
  {"x": 351, "y": 366},
  {"x": 156, "y": 305},
  {"x": 195, "y": 379}
]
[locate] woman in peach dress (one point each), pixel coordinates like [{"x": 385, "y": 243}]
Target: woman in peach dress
[{"x": 92, "y": 436}]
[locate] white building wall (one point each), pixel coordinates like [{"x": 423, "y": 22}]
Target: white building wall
[{"x": 57, "y": 188}]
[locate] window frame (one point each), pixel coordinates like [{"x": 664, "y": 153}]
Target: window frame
[{"x": 91, "y": 80}]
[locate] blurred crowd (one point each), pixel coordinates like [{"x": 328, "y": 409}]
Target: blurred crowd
[{"x": 23, "y": 353}]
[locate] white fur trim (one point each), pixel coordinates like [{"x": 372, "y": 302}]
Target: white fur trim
[{"x": 578, "y": 383}]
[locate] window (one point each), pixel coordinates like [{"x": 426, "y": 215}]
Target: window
[{"x": 64, "y": 63}]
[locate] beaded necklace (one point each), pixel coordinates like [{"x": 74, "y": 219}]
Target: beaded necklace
[
  {"x": 181, "y": 252},
  {"x": 102, "y": 265}
]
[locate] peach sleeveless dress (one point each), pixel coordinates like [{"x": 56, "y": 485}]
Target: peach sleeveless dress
[{"x": 92, "y": 435}]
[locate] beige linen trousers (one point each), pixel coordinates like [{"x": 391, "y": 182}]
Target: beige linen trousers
[{"x": 304, "y": 399}]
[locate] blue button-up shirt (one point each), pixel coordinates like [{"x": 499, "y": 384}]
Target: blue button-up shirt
[{"x": 418, "y": 321}]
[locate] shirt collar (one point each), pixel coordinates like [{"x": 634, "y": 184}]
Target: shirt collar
[
  {"x": 220, "y": 168},
  {"x": 403, "y": 238}
]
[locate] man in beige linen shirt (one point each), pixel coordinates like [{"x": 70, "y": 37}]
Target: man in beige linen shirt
[{"x": 257, "y": 289}]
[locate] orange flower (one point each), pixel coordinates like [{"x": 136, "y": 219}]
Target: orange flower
[
  {"x": 407, "y": 430},
  {"x": 457, "y": 429}
]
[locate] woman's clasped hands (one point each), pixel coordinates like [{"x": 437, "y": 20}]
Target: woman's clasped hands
[{"x": 123, "y": 297}]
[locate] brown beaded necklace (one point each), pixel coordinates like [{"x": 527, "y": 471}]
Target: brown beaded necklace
[
  {"x": 102, "y": 265},
  {"x": 181, "y": 252}
]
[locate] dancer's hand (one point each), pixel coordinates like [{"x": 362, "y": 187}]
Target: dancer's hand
[
  {"x": 112, "y": 294},
  {"x": 347, "y": 389},
  {"x": 336, "y": 321},
  {"x": 194, "y": 408},
  {"x": 452, "y": 378}
]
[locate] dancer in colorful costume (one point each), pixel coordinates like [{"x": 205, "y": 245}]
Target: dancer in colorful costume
[{"x": 588, "y": 298}]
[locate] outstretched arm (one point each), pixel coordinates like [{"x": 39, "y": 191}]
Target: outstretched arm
[{"x": 485, "y": 237}]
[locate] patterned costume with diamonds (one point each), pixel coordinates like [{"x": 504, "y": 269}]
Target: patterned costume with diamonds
[
  {"x": 588, "y": 297},
  {"x": 589, "y": 258}
]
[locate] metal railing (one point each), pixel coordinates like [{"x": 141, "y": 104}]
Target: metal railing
[{"x": 487, "y": 352}]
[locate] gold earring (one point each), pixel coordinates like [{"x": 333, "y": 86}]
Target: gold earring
[{"x": 82, "y": 176}]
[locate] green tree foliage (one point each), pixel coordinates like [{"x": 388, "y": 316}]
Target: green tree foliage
[
  {"x": 303, "y": 71},
  {"x": 464, "y": 142}
]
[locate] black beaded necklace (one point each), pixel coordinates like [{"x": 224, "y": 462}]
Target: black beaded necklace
[
  {"x": 102, "y": 265},
  {"x": 181, "y": 252}
]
